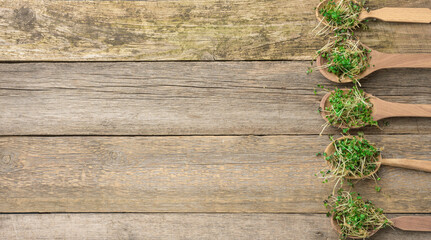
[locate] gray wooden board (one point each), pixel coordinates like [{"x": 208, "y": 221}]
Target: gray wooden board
[
  {"x": 208, "y": 174},
  {"x": 194, "y": 174},
  {"x": 185, "y": 98},
  {"x": 180, "y": 226},
  {"x": 35, "y": 30}
]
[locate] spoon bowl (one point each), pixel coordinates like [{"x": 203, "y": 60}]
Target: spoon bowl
[
  {"x": 324, "y": 103},
  {"x": 321, "y": 61},
  {"x": 337, "y": 228},
  {"x": 330, "y": 149},
  {"x": 406, "y": 223}
]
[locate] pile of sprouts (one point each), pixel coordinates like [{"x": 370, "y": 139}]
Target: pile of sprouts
[
  {"x": 353, "y": 158},
  {"x": 354, "y": 216},
  {"x": 346, "y": 58},
  {"x": 349, "y": 109},
  {"x": 341, "y": 15}
]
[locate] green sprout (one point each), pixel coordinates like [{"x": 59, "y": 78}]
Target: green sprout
[
  {"x": 345, "y": 57},
  {"x": 342, "y": 14},
  {"x": 353, "y": 157},
  {"x": 349, "y": 109},
  {"x": 355, "y": 217}
]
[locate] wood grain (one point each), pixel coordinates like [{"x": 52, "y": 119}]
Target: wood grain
[
  {"x": 44, "y": 30},
  {"x": 174, "y": 177},
  {"x": 179, "y": 226},
  {"x": 185, "y": 98},
  {"x": 194, "y": 174}
]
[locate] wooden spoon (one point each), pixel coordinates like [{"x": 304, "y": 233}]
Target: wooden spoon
[
  {"x": 379, "y": 60},
  {"x": 383, "y": 109},
  {"x": 402, "y": 163},
  {"x": 406, "y": 15},
  {"x": 406, "y": 223}
]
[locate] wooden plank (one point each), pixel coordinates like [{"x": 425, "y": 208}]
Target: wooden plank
[
  {"x": 193, "y": 174},
  {"x": 179, "y": 226},
  {"x": 35, "y": 30},
  {"x": 184, "y": 98}
]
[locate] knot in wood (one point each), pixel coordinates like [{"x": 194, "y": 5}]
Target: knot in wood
[{"x": 8, "y": 162}]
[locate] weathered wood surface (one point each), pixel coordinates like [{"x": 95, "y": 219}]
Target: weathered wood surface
[
  {"x": 35, "y": 30},
  {"x": 185, "y": 98},
  {"x": 194, "y": 174},
  {"x": 180, "y": 226}
]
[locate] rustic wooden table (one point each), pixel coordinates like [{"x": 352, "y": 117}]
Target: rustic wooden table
[{"x": 106, "y": 123}]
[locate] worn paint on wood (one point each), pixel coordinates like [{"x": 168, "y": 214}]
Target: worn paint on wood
[
  {"x": 180, "y": 226},
  {"x": 219, "y": 98},
  {"x": 35, "y": 30},
  {"x": 193, "y": 174}
]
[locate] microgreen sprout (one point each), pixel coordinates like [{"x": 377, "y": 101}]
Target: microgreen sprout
[
  {"x": 349, "y": 109},
  {"x": 341, "y": 15},
  {"x": 345, "y": 57},
  {"x": 354, "y": 216},
  {"x": 353, "y": 157}
]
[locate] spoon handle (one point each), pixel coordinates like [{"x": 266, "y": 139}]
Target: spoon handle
[
  {"x": 420, "y": 165},
  {"x": 412, "y": 60},
  {"x": 413, "y": 223},
  {"x": 407, "y": 15},
  {"x": 383, "y": 109}
]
